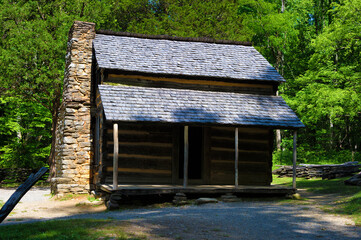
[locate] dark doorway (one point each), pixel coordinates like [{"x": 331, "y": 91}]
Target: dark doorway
[{"x": 195, "y": 157}]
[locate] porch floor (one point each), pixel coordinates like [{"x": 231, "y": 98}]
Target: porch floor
[{"x": 136, "y": 189}]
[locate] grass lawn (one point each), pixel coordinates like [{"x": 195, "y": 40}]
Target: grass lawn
[
  {"x": 349, "y": 205},
  {"x": 16, "y": 185},
  {"x": 68, "y": 229}
]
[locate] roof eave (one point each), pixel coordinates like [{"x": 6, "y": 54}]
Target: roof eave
[
  {"x": 209, "y": 124},
  {"x": 185, "y": 76}
]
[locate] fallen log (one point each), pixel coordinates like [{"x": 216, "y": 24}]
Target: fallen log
[
  {"x": 354, "y": 180},
  {"x": 20, "y": 192}
]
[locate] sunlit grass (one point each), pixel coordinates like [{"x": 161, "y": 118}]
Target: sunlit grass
[
  {"x": 9, "y": 185},
  {"x": 350, "y": 205},
  {"x": 71, "y": 196},
  {"x": 282, "y": 181},
  {"x": 12, "y": 184},
  {"x": 317, "y": 185},
  {"x": 67, "y": 229},
  {"x": 66, "y": 197}
]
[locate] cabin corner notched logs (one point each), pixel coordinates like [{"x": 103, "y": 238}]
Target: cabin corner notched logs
[{"x": 329, "y": 171}]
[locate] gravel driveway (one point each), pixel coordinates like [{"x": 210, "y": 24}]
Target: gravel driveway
[{"x": 240, "y": 220}]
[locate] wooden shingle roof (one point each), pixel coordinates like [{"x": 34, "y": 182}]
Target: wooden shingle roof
[
  {"x": 183, "y": 58},
  {"x": 144, "y": 104}
]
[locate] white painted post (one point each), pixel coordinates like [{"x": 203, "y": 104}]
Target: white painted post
[
  {"x": 186, "y": 146},
  {"x": 236, "y": 157},
  {"x": 294, "y": 158},
  {"x": 115, "y": 157}
]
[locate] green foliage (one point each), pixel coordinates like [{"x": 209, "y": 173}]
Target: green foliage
[
  {"x": 321, "y": 156},
  {"x": 184, "y": 18},
  {"x": 33, "y": 44},
  {"x": 281, "y": 37},
  {"x": 327, "y": 95},
  {"x": 315, "y": 45},
  {"x": 25, "y": 136},
  {"x": 32, "y": 49}
]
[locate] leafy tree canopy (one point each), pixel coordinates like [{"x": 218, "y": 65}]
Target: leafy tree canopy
[{"x": 314, "y": 44}]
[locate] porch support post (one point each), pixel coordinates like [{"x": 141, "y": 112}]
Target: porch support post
[
  {"x": 294, "y": 158},
  {"x": 186, "y": 147},
  {"x": 236, "y": 157},
  {"x": 97, "y": 136},
  {"x": 115, "y": 156}
]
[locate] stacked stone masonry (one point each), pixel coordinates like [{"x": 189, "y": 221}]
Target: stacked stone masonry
[{"x": 74, "y": 149}]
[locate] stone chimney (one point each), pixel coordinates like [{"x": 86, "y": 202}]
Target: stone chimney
[{"x": 73, "y": 149}]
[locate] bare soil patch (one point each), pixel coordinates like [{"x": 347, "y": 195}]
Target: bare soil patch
[{"x": 38, "y": 204}]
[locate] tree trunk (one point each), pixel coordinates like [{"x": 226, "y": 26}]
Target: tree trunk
[
  {"x": 278, "y": 140},
  {"x": 278, "y": 136},
  {"x": 54, "y": 113},
  {"x": 331, "y": 133},
  {"x": 353, "y": 152},
  {"x": 349, "y": 135}
]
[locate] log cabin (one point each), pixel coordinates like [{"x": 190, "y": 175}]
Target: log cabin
[{"x": 144, "y": 114}]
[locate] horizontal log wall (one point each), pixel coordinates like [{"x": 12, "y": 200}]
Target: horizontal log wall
[
  {"x": 220, "y": 86},
  {"x": 255, "y": 159},
  {"x": 145, "y": 153}
]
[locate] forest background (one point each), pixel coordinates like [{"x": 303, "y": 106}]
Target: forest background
[{"x": 314, "y": 44}]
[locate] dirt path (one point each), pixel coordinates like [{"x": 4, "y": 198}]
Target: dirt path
[
  {"x": 38, "y": 204},
  {"x": 320, "y": 199},
  {"x": 240, "y": 220}
]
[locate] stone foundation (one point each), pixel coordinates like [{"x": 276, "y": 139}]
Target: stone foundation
[{"x": 73, "y": 148}]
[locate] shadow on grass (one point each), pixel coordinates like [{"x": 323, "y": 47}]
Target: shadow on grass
[
  {"x": 66, "y": 229},
  {"x": 317, "y": 185},
  {"x": 328, "y": 186},
  {"x": 350, "y": 203},
  {"x": 350, "y": 206}
]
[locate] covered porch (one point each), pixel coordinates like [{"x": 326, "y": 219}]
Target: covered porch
[
  {"x": 235, "y": 141},
  {"x": 140, "y": 189}
]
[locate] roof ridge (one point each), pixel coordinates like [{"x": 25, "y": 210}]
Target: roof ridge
[{"x": 173, "y": 38}]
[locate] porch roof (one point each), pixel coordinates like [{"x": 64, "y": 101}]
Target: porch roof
[{"x": 144, "y": 104}]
